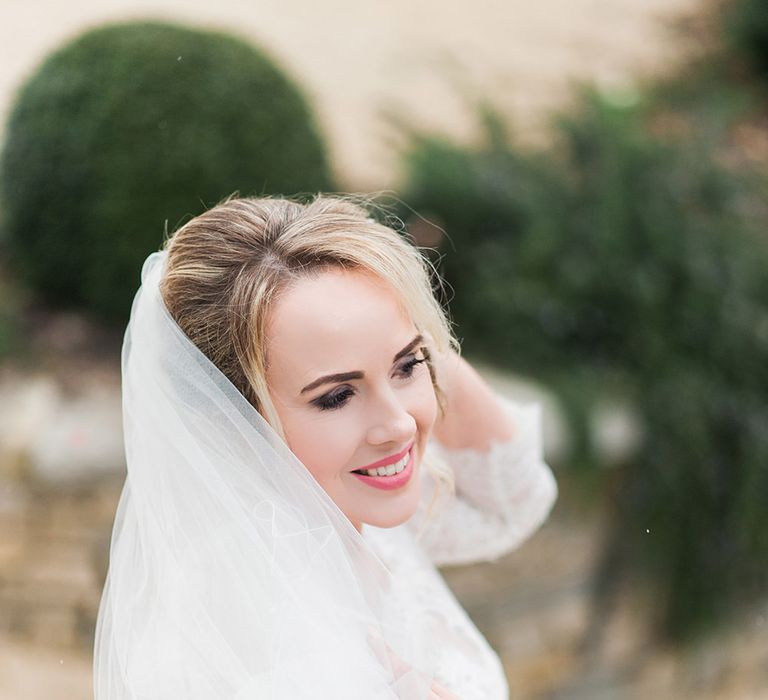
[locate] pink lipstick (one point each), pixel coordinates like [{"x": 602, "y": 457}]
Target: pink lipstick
[{"x": 389, "y": 483}]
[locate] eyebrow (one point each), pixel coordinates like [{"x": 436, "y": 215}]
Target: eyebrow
[{"x": 346, "y": 376}]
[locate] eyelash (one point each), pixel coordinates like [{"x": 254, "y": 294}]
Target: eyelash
[{"x": 330, "y": 402}]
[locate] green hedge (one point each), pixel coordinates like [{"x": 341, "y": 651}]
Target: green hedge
[
  {"x": 623, "y": 260},
  {"x": 127, "y": 131},
  {"x": 746, "y": 33},
  {"x": 8, "y": 331}
]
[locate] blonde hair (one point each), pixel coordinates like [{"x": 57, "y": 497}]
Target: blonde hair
[{"x": 226, "y": 267}]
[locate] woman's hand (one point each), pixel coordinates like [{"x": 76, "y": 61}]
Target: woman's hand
[
  {"x": 399, "y": 667},
  {"x": 473, "y": 417},
  {"x": 437, "y": 692}
]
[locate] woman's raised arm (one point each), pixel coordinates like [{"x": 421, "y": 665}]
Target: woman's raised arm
[
  {"x": 473, "y": 417},
  {"x": 504, "y": 488}
]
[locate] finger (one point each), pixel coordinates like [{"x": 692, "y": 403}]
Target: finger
[
  {"x": 386, "y": 656},
  {"x": 440, "y": 693}
]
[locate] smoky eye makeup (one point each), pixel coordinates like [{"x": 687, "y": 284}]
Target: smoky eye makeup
[
  {"x": 411, "y": 364},
  {"x": 339, "y": 397},
  {"x": 334, "y": 399}
]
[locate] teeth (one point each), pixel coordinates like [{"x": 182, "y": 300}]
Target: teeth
[{"x": 389, "y": 470}]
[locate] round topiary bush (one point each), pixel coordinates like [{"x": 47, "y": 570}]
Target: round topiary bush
[{"x": 127, "y": 131}]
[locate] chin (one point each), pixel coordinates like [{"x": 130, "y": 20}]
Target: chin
[{"x": 397, "y": 514}]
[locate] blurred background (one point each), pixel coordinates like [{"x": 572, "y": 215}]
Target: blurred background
[{"x": 590, "y": 178}]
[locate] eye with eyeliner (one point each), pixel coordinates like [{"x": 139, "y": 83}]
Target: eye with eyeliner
[
  {"x": 334, "y": 400},
  {"x": 410, "y": 365}
]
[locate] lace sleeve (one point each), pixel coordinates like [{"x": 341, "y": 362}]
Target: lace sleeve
[{"x": 502, "y": 495}]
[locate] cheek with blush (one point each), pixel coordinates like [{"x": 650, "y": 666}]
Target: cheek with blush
[{"x": 325, "y": 450}]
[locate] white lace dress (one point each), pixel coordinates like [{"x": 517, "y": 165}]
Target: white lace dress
[{"x": 502, "y": 496}]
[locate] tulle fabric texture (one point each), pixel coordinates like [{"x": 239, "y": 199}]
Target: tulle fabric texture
[{"x": 232, "y": 574}]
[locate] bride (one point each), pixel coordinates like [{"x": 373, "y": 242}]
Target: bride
[{"x": 304, "y": 446}]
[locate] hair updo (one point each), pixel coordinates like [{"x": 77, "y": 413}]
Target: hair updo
[{"x": 227, "y": 266}]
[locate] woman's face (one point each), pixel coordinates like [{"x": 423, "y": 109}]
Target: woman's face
[{"x": 346, "y": 322}]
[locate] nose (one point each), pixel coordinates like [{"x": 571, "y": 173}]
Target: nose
[{"x": 391, "y": 422}]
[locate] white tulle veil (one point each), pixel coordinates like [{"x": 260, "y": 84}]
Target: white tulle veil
[{"x": 232, "y": 574}]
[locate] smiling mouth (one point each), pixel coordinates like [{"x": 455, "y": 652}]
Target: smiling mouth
[{"x": 390, "y": 469}]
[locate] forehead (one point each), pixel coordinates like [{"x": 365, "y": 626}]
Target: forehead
[{"x": 334, "y": 322}]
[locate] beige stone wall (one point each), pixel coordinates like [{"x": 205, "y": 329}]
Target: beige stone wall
[{"x": 357, "y": 59}]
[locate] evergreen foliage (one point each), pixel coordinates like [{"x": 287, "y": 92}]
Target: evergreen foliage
[
  {"x": 624, "y": 260},
  {"x": 127, "y": 131},
  {"x": 746, "y": 23}
]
